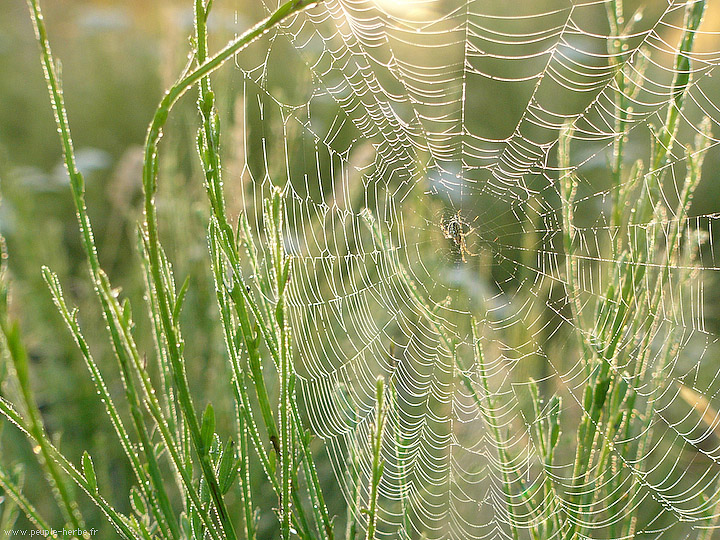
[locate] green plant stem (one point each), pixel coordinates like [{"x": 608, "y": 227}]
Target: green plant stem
[
  {"x": 249, "y": 514},
  {"x": 166, "y": 518},
  {"x": 14, "y": 491},
  {"x": 252, "y": 345},
  {"x": 180, "y": 465},
  {"x": 118, "y": 520},
  {"x": 218, "y": 243},
  {"x": 487, "y": 410},
  {"x": 354, "y": 505},
  {"x": 10, "y": 508},
  {"x": 599, "y": 390},
  {"x": 246, "y": 423},
  {"x": 18, "y": 355},
  {"x": 376, "y": 440},
  {"x": 568, "y": 190},
  {"x": 150, "y": 170},
  {"x": 124, "y": 346},
  {"x": 174, "y": 420},
  {"x": 208, "y": 145},
  {"x": 66, "y": 502},
  {"x": 281, "y": 267},
  {"x": 322, "y": 516},
  {"x": 616, "y": 44},
  {"x": 664, "y": 141},
  {"x": 665, "y": 136},
  {"x": 264, "y": 307},
  {"x": 209, "y": 135},
  {"x": 121, "y": 339},
  {"x": 242, "y": 299},
  {"x": 406, "y": 526},
  {"x": 693, "y": 17}
]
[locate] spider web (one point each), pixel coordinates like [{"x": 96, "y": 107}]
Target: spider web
[{"x": 442, "y": 118}]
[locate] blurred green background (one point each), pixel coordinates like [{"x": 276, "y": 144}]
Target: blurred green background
[{"x": 117, "y": 58}]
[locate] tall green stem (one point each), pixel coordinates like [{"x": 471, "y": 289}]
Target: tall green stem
[
  {"x": 376, "y": 440},
  {"x": 157, "y": 265}
]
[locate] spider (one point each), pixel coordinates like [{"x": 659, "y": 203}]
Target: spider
[{"x": 455, "y": 228}]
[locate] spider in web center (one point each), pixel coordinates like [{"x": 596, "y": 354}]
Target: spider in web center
[{"x": 456, "y": 228}]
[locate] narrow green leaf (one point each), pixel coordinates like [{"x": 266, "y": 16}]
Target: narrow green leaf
[
  {"x": 89, "y": 471},
  {"x": 137, "y": 502},
  {"x": 207, "y": 431},
  {"x": 126, "y": 313},
  {"x": 228, "y": 467},
  {"x": 601, "y": 390},
  {"x": 554, "y": 420},
  {"x": 185, "y": 525},
  {"x": 181, "y": 299}
]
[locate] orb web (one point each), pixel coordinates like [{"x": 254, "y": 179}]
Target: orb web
[{"x": 449, "y": 163}]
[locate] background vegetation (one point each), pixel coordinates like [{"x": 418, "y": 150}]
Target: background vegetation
[{"x": 117, "y": 59}]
